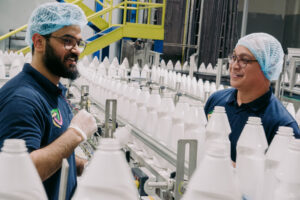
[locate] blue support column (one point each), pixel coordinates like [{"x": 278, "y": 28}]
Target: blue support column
[
  {"x": 132, "y": 17},
  {"x": 158, "y": 46}
]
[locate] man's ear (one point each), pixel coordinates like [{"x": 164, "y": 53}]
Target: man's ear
[{"x": 39, "y": 42}]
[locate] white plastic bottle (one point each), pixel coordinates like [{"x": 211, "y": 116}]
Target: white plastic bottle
[
  {"x": 218, "y": 127},
  {"x": 288, "y": 174},
  {"x": 2, "y": 69},
  {"x": 250, "y": 161},
  {"x": 276, "y": 152},
  {"x": 152, "y": 106},
  {"x": 132, "y": 103},
  {"x": 214, "y": 178},
  {"x": 19, "y": 177},
  {"x": 164, "y": 123},
  {"x": 142, "y": 102},
  {"x": 108, "y": 176},
  {"x": 177, "y": 130},
  {"x": 194, "y": 127}
]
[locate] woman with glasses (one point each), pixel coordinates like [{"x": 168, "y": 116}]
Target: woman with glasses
[
  {"x": 33, "y": 105},
  {"x": 256, "y": 60}
]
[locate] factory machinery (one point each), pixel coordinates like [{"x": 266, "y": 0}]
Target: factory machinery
[
  {"x": 162, "y": 172},
  {"x": 107, "y": 90},
  {"x": 158, "y": 182}
]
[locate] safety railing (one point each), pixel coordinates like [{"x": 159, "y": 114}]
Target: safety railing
[{"x": 126, "y": 6}]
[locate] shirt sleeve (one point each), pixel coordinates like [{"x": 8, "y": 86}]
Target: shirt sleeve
[
  {"x": 20, "y": 119},
  {"x": 295, "y": 126},
  {"x": 207, "y": 107}
]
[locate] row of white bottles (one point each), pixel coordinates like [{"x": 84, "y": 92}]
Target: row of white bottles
[
  {"x": 189, "y": 85},
  {"x": 258, "y": 176},
  {"x": 214, "y": 178},
  {"x": 185, "y": 67},
  {"x": 12, "y": 63}
]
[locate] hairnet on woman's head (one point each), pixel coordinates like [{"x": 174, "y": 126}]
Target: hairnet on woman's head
[
  {"x": 50, "y": 17},
  {"x": 267, "y": 51}
]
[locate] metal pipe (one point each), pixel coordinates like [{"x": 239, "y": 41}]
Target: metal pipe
[
  {"x": 190, "y": 28},
  {"x": 13, "y": 32},
  {"x": 163, "y": 13},
  {"x": 185, "y": 28},
  {"x": 245, "y": 16},
  {"x": 149, "y": 14},
  {"x": 158, "y": 184},
  {"x": 199, "y": 30}
]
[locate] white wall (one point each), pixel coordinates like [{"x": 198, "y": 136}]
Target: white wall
[{"x": 14, "y": 14}]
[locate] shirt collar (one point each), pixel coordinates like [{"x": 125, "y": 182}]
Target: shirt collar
[
  {"x": 255, "y": 105},
  {"x": 43, "y": 81}
]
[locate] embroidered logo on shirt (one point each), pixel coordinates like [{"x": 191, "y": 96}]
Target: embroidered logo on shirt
[{"x": 56, "y": 117}]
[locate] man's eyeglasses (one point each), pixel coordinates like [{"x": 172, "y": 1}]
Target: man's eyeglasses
[
  {"x": 242, "y": 62},
  {"x": 69, "y": 42}
]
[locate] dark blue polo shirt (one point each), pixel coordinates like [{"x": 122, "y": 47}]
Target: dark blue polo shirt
[
  {"x": 272, "y": 113},
  {"x": 32, "y": 108}
]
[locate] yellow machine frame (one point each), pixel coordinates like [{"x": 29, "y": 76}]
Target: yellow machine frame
[{"x": 126, "y": 29}]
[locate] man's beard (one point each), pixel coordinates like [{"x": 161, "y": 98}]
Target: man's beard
[{"x": 57, "y": 67}]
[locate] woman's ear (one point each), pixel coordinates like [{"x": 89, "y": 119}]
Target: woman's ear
[{"x": 38, "y": 42}]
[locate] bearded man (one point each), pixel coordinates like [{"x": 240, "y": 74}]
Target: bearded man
[{"x": 32, "y": 104}]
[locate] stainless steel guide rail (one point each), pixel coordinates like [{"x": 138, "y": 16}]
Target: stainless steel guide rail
[{"x": 163, "y": 181}]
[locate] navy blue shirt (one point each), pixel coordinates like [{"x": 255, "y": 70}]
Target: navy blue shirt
[
  {"x": 272, "y": 113},
  {"x": 33, "y": 109}
]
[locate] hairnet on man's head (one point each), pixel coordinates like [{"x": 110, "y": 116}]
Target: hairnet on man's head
[
  {"x": 50, "y": 17},
  {"x": 267, "y": 51}
]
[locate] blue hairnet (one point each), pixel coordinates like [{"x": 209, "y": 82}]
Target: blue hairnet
[
  {"x": 50, "y": 17},
  {"x": 267, "y": 51}
]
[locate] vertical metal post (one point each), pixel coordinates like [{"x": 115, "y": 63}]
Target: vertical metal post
[
  {"x": 219, "y": 72},
  {"x": 110, "y": 14},
  {"x": 199, "y": 32},
  {"x": 153, "y": 10},
  {"x": 84, "y": 99},
  {"x": 110, "y": 127},
  {"x": 191, "y": 13},
  {"x": 245, "y": 18},
  {"x": 63, "y": 179},
  {"x": 137, "y": 13},
  {"x": 192, "y": 65},
  {"x": 187, "y": 6},
  {"x": 200, "y": 27},
  {"x": 180, "y": 165},
  {"x": 163, "y": 13},
  {"x": 149, "y": 14},
  {"x": 277, "y": 85},
  {"x": 124, "y": 14}
]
